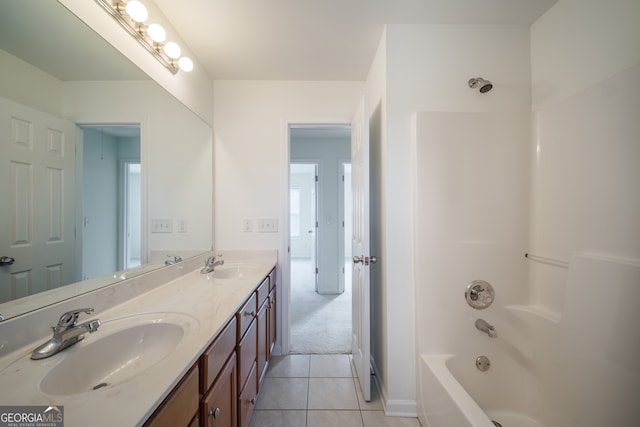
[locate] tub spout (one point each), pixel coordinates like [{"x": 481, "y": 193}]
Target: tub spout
[{"x": 485, "y": 327}]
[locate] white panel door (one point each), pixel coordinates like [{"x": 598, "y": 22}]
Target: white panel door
[
  {"x": 360, "y": 344},
  {"x": 37, "y": 167}
]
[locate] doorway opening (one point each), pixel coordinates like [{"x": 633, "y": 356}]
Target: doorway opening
[
  {"x": 112, "y": 199},
  {"x": 319, "y": 239}
]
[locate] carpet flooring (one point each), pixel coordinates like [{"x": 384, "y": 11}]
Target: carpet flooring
[{"x": 320, "y": 324}]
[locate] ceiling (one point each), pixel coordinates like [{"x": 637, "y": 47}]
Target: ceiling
[{"x": 317, "y": 39}]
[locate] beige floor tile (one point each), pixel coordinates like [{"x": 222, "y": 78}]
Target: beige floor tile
[
  {"x": 375, "y": 404},
  {"x": 330, "y": 366},
  {"x": 278, "y": 419},
  {"x": 377, "y": 419},
  {"x": 283, "y": 393},
  {"x": 334, "y": 419},
  {"x": 289, "y": 366},
  {"x": 332, "y": 393}
]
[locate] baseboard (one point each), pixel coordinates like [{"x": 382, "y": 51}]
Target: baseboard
[{"x": 393, "y": 407}]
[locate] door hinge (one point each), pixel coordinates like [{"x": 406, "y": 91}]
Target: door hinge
[
  {"x": 316, "y": 270},
  {"x": 316, "y": 178}
]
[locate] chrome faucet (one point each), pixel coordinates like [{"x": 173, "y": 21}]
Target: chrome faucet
[
  {"x": 66, "y": 333},
  {"x": 485, "y": 327},
  {"x": 173, "y": 259},
  {"x": 212, "y": 263}
]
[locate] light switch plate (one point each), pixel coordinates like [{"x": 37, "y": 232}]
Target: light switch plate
[
  {"x": 161, "y": 226},
  {"x": 268, "y": 225}
]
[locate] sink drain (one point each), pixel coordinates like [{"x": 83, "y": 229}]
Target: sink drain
[
  {"x": 105, "y": 384},
  {"x": 497, "y": 424}
]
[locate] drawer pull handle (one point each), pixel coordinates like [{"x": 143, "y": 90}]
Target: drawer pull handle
[
  {"x": 214, "y": 414},
  {"x": 251, "y": 313}
]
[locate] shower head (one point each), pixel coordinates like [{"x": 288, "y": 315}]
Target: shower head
[{"x": 483, "y": 85}]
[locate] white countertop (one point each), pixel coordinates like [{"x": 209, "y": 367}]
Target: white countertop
[{"x": 208, "y": 301}]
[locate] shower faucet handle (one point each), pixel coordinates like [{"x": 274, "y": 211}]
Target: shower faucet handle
[{"x": 479, "y": 294}]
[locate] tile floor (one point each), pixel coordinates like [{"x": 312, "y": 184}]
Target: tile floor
[{"x": 318, "y": 390}]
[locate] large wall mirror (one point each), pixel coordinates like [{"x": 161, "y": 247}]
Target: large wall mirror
[{"x": 104, "y": 175}]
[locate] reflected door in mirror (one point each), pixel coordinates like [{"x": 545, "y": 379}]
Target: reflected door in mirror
[{"x": 38, "y": 176}]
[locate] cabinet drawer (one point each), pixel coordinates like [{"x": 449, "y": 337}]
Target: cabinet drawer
[
  {"x": 219, "y": 405},
  {"x": 181, "y": 405},
  {"x": 262, "y": 292},
  {"x": 272, "y": 279},
  {"x": 217, "y": 354},
  {"x": 246, "y": 315},
  {"x": 247, "y": 353},
  {"x": 247, "y": 399}
]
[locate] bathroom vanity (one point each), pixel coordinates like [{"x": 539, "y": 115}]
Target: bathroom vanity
[
  {"x": 221, "y": 388},
  {"x": 191, "y": 351}
]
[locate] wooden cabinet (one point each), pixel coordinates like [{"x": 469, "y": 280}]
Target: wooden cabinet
[
  {"x": 214, "y": 358},
  {"x": 222, "y": 388},
  {"x": 218, "y": 408},
  {"x": 272, "y": 327},
  {"x": 247, "y": 398},
  {"x": 181, "y": 406},
  {"x": 263, "y": 341}
]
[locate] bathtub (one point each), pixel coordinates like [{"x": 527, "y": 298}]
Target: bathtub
[{"x": 445, "y": 402}]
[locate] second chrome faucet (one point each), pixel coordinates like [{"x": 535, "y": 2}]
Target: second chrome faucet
[{"x": 212, "y": 262}]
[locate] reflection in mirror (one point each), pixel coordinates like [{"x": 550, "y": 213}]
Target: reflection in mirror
[
  {"x": 112, "y": 199},
  {"x": 99, "y": 161}
]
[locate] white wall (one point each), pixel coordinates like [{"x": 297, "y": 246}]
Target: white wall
[
  {"x": 251, "y": 155},
  {"x": 586, "y": 136},
  {"x": 428, "y": 67},
  {"x": 177, "y": 154},
  {"x": 585, "y": 171},
  {"x": 29, "y": 85}
]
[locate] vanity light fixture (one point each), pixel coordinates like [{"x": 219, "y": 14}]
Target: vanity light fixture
[{"x": 132, "y": 15}]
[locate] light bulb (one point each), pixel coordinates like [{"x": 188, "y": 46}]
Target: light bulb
[
  {"x": 136, "y": 11},
  {"x": 156, "y": 33},
  {"x": 172, "y": 50},
  {"x": 185, "y": 64}
]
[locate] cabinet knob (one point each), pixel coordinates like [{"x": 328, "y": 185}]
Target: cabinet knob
[
  {"x": 253, "y": 401},
  {"x": 251, "y": 313},
  {"x": 214, "y": 414}
]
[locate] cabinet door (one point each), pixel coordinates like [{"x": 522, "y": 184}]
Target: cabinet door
[
  {"x": 247, "y": 354},
  {"x": 247, "y": 399},
  {"x": 181, "y": 405},
  {"x": 272, "y": 315},
  {"x": 263, "y": 342},
  {"x": 218, "y": 407}
]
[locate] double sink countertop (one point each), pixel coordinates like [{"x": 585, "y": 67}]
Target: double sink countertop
[{"x": 140, "y": 352}]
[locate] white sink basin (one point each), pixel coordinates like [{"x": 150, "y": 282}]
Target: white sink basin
[
  {"x": 235, "y": 271},
  {"x": 120, "y": 350}
]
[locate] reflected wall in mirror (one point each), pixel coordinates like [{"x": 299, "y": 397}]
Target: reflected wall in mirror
[{"x": 68, "y": 228}]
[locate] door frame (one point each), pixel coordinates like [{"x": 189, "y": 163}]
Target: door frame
[
  {"x": 283, "y": 344},
  {"x": 341, "y": 209}
]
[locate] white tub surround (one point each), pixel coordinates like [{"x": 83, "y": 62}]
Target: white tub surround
[{"x": 201, "y": 303}]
